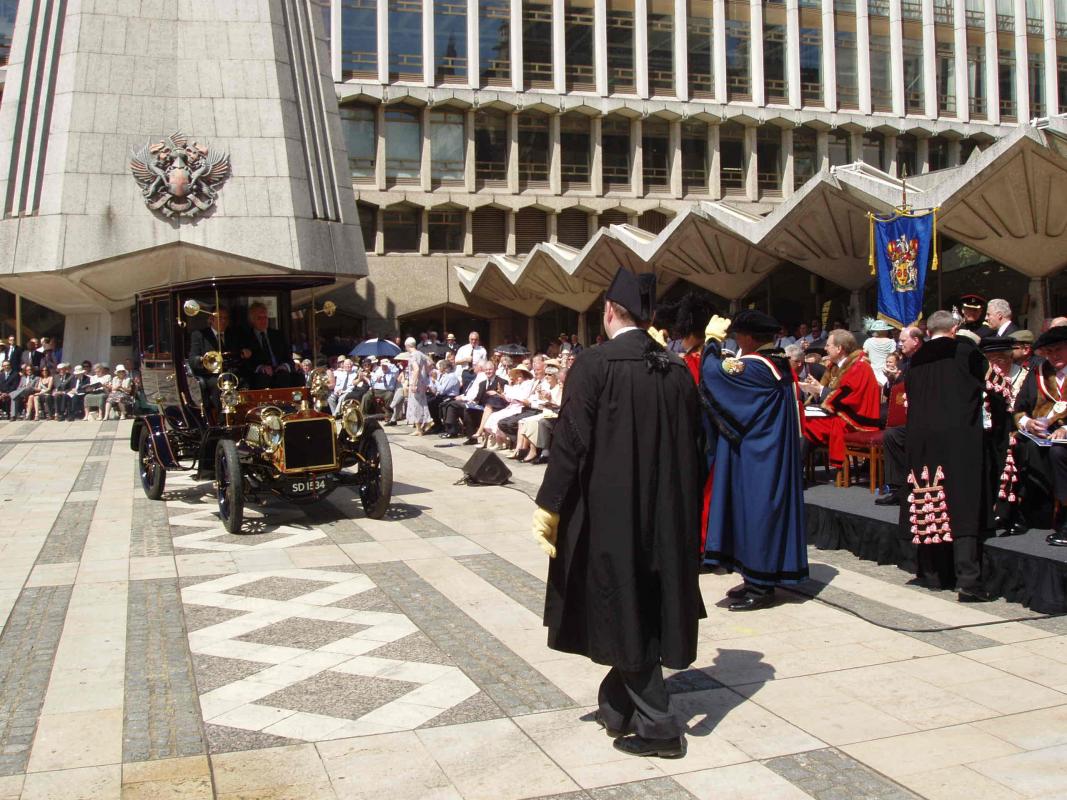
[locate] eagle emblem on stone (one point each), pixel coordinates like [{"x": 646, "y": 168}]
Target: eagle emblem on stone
[{"x": 178, "y": 176}]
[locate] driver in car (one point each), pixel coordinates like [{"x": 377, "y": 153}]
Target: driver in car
[
  {"x": 266, "y": 355},
  {"x": 202, "y": 342}
]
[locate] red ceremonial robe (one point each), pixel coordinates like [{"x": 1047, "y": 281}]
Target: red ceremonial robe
[{"x": 854, "y": 404}]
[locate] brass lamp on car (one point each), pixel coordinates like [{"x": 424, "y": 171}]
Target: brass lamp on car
[
  {"x": 212, "y": 362},
  {"x": 319, "y": 386},
  {"x": 227, "y": 384},
  {"x": 352, "y": 419}
]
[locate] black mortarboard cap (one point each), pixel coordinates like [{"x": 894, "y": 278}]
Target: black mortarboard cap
[
  {"x": 972, "y": 300},
  {"x": 997, "y": 344},
  {"x": 755, "y": 323},
  {"x": 635, "y": 293},
  {"x": 1057, "y": 335}
]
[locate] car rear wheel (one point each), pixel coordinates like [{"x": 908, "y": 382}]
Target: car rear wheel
[
  {"x": 153, "y": 475},
  {"x": 378, "y": 491},
  {"x": 229, "y": 485}
]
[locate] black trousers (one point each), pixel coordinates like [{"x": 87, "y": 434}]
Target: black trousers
[
  {"x": 638, "y": 699},
  {"x": 510, "y": 426},
  {"x": 893, "y": 444},
  {"x": 956, "y": 564}
]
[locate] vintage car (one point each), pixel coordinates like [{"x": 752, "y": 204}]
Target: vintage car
[{"x": 256, "y": 431}]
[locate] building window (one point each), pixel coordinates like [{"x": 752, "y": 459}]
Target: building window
[
  {"x": 572, "y": 228},
  {"x": 1006, "y": 77},
  {"x": 652, "y": 222},
  {"x": 491, "y": 146},
  {"x": 578, "y": 27},
  {"x": 1061, "y": 69},
  {"x": 575, "y": 146},
  {"x": 1005, "y": 16},
  {"x": 614, "y": 216},
  {"x": 946, "y": 79},
  {"x": 694, "y": 158},
  {"x": 840, "y": 148},
  {"x": 531, "y": 229},
  {"x": 401, "y": 229},
  {"x": 489, "y": 230},
  {"x": 845, "y": 6},
  {"x": 907, "y": 155},
  {"x": 914, "y": 102},
  {"x": 874, "y": 150},
  {"x": 738, "y": 52},
  {"x": 805, "y": 156},
  {"x": 450, "y": 41},
  {"x": 974, "y": 11},
  {"x": 661, "y": 47},
  {"x": 938, "y": 150},
  {"x": 368, "y": 225},
  {"x": 769, "y": 161},
  {"x": 655, "y": 155},
  {"x": 405, "y": 40},
  {"x": 615, "y": 153},
  {"x": 533, "y": 150},
  {"x": 700, "y": 36},
  {"x": 881, "y": 74},
  {"x": 976, "y": 80},
  {"x": 494, "y": 42},
  {"x": 8, "y": 9},
  {"x": 537, "y": 45},
  {"x": 848, "y": 90},
  {"x": 447, "y": 147},
  {"x": 446, "y": 231},
  {"x": 1036, "y": 61},
  {"x": 359, "y": 39},
  {"x": 358, "y": 122},
  {"x": 621, "y": 79},
  {"x": 811, "y": 66},
  {"x": 775, "y": 85},
  {"x": 403, "y": 144},
  {"x": 1035, "y": 20},
  {"x": 732, "y": 158}
]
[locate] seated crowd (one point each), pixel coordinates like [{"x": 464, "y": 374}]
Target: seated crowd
[{"x": 59, "y": 392}]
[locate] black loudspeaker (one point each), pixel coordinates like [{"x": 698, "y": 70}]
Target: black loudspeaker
[{"x": 486, "y": 468}]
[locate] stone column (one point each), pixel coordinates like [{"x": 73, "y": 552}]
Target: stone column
[
  {"x": 788, "y": 168},
  {"x": 929, "y": 61},
  {"x": 555, "y": 156},
  {"x": 792, "y": 53},
  {"x": 424, "y": 232},
  {"x": 681, "y": 49},
  {"x": 829, "y": 56},
  {"x": 509, "y": 246},
  {"x": 336, "y": 62},
  {"x": 383, "y": 41},
  {"x": 891, "y": 154},
  {"x": 469, "y": 171},
  {"x": 953, "y": 152},
  {"x": 426, "y": 163},
  {"x": 1052, "y": 82},
  {"x": 863, "y": 56},
  {"x": 600, "y": 46},
  {"x": 596, "y": 164},
  {"x": 468, "y": 233},
  {"x": 513, "y": 152},
  {"x": 1022, "y": 65},
  {"x": 641, "y": 47},
  {"x": 675, "y": 164},
  {"x": 992, "y": 82},
  {"x": 922, "y": 153},
  {"x": 822, "y": 150},
  {"x": 473, "y": 56},
  {"x": 379, "y": 149},
  {"x": 751, "y": 164},
  {"x": 719, "y": 49},
  {"x": 714, "y": 163},
  {"x": 583, "y": 324},
  {"x": 427, "y": 43},
  {"x": 637, "y": 159},
  {"x": 855, "y": 144},
  {"x": 896, "y": 56},
  {"x": 855, "y": 310},
  {"x": 1039, "y": 310},
  {"x": 516, "y": 45},
  {"x": 379, "y": 231},
  {"x": 531, "y": 333},
  {"x": 756, "y": 51},
  {"x": 959, "y": 43},
  {"x": 559, "y": 46}
]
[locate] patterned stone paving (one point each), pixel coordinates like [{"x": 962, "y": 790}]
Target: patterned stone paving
[{"x": 320, "y": 654}]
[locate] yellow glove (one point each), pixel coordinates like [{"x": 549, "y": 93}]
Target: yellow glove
[
  {"x": 716, "y": 329},
  {"x": 545, "y": 528},
  {"x": 657, "y": 335}
]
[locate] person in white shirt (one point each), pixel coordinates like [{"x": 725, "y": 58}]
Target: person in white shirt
[
  {"x": 470, "y": 354},
  {"x": 344, "y": 381}
]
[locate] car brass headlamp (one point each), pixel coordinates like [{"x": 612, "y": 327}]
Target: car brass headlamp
[
  {"x": 319, "y": 386},
  {"x": 270, "y": 421},
  {"x": 352, "y": 419},
  {"x": 227, "y": 385}
]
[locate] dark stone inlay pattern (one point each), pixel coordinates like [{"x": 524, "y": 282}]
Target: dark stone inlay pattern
[
  {"x": 215, "y": 671},
  {"x": 91, "y": 476},
  {"x": 276, "y": 588},
  {"x": 101, "y": 448},
  {"x": 27, "y": 650},
  {"x": 66, "y": 540},
  {"x": 414, "y": 647},
  {"x": 518, "y": 584},
  {"x": 511, "y": 682},
  {"x": 307, "y": 634},
  {"x": 331, "y": 516},
  {"x": 829, "y": 774},
  {"x": 476, "y": 708},
  {"x": 426, "y": 527},
  {"x": 222, "y": 739},
  {"x": 652, "y": 789},
  {"x": 370, "y": 600},
  {"x": 200, "y": 617},
  {"x": 150, "y": 530},
  {"x": 336, "y": 694},
  {"x": 18, "y": 433},
  {"x": 161, "y": 709}
]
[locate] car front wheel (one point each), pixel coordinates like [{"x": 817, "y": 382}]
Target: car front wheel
[
  {"x": 229, "y": 485},
  {"x": 377, "y": 492},
  {"x": 153, "y": 475}
]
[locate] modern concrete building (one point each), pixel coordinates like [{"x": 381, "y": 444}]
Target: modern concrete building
[{"x": 506, "y": 155}]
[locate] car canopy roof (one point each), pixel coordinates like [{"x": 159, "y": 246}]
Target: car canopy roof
[{"x": 255, "y": 283}]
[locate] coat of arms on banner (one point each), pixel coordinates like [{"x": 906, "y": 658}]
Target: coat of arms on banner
[
  {"x": 902, "y": 253},
  {"x": 179, "y": 177}
]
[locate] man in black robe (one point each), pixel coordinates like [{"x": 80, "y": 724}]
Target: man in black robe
[
  {"x": 623, "y": 490},
  {"x": 948, "y": 512}
]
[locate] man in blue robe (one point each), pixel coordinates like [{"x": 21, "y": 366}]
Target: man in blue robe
[{"x": 756, "y": 518}]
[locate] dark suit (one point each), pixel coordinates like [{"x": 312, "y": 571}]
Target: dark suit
[
  {"x": 79, "y": 384},
  {"x": 275, "y": 354},
  {"x": 9, "y": 382},
  {"x": 32, "y": 358},
  {"x": 60, "y": 386},
  {"x": 13, "y": 354},
  {"x": 200, "y": 343}
]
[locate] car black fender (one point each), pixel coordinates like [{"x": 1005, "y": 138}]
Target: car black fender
[{"x": 157, "y": 429}]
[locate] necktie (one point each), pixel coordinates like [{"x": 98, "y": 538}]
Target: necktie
[
  {"x": 344, "y": 383},
  {"x": 264, "y": 342}
]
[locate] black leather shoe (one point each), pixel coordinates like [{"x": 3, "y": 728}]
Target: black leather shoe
[
  {"x": 974, "y": 595},
  {"x": 888, "y": 499},
  {"x": 1017, "y": 528},
  {"x": 752, "y": 601},
  {"x": 660, "y": 748},
  {"x": 471, "y": 440},
  {"x": 1057, "y": 538},
  {"x": 612, "y": 732},
  {"x": 738, "y": 592}
]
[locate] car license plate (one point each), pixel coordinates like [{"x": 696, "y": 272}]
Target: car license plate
[{"x": 307, "y": 486}]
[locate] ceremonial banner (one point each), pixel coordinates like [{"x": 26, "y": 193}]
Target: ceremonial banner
[{"x": 903, "y": 247}]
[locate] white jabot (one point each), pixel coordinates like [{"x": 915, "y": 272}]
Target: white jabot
[{"x": 627, "y": 329}]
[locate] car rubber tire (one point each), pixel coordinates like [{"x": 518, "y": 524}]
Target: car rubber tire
[
  {"x": 229, "y": 485},
  {"x": 153, "y": 474},
  {"x": 376, "y": 497}
]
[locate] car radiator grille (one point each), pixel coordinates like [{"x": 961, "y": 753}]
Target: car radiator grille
[{"x": 309, "y": 443}]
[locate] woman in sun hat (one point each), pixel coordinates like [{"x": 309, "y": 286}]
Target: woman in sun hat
[{"x": 878, "y": 345}]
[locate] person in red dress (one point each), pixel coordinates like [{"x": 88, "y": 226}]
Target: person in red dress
[{"x": 851, "y": 398}]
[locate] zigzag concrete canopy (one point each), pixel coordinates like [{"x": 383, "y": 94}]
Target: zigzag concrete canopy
[{"x": 1008, "y": 202}]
